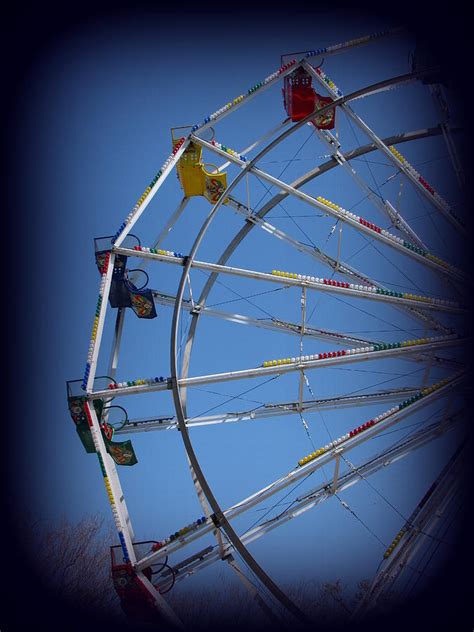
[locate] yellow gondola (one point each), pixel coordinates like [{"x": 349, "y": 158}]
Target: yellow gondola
[{"x": 195, "y": 179}]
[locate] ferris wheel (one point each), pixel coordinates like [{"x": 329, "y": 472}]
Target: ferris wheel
[{"x": 324, "y": 396}]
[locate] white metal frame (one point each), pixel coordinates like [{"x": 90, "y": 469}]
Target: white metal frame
[
  {"x": 293, "y": 476},
  {"x": 416, "y": 530},
  {"x": 414, "y": 306},
  {"x": 324, "y": 491}
]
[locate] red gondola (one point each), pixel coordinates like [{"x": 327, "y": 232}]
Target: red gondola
[{"x": 300, "y": 99}]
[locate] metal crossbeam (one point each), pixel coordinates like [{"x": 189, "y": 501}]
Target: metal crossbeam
[
  {"x": 348, "y": 271},
  {"x": 163, "y": 233},
  {"x": 113, "y": 360},
  {"x": 365, "y": 292},
  {"x": 168, "y": 422},
  {"x": 343, "y": 217},
  {"x": 135, "y": 215},
  {"x": 415, "y": 530},
  {"x": 393, "y": 159},
  {"x": 286, "y": 327},
  {"x": 439, "y": 97},
  {"x": 335, "y": 337},
  {"x": 319, "y": 494},
  {"x": 258, "y": 142},
  {"x": 298, "y": 365},
  {"x": 341, "y": 267},
  {"x": 218, "y": 116},
  {"x": 300, "y": 472},
  {"x": 322, "y": 493},
  {"x": 383, "y": 205}
]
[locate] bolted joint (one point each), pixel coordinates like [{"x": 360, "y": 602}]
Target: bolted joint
[{"x": 217, "y": 519}]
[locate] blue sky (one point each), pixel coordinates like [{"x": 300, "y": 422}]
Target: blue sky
[{"x": 95, "y": 128}]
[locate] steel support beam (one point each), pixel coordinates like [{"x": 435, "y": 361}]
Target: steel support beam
[
  {"x": 297, "y": 474},
  {"x": 301, "y": 280},
  {"x": 321, "y": 493},
  {"x": 356, "y": 356}
]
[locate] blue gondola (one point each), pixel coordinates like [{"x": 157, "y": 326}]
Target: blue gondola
[{"x": 124, "y": 293}]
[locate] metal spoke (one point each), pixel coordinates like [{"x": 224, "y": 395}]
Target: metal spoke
[
  {"x": 397, "y": 161},
  {"x": 301, "y": 280},
  {"x": 419, "y": 525},
  {"x": 279, "y": 368},
  {"x": 341, "y": 214},
  {"x": 167, "y": 422},
  {"x": 320, "y": 494},
  {"x": 297, "y": 474}
]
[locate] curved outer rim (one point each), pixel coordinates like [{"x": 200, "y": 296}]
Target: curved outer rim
[{"x": 218, "y": 516}]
